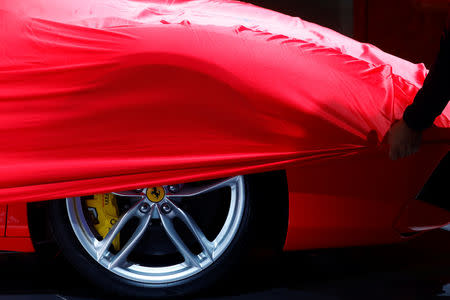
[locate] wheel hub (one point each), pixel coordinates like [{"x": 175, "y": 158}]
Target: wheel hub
[
  {"x": 155, "y": 194},
  {"x": 145, "y": 255}
]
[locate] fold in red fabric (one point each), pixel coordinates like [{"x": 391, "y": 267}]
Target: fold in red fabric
[{"x": 107, "y": 95}]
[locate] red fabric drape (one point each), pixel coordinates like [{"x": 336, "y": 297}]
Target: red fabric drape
[{"x": 109, "y": 95}]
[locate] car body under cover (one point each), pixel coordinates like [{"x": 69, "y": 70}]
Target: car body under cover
[{"x": 113, "y": 95}]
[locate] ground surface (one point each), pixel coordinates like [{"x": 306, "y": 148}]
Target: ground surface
[{"x": 417, "y": 269}]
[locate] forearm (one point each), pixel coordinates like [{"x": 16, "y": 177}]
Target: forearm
[{"x": 434, "y": 95}]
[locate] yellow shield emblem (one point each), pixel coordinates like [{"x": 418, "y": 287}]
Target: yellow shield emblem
[{"x": 155, "y": 194}]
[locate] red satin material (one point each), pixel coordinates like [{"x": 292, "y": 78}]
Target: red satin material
[{"x": 109, "y": 95}]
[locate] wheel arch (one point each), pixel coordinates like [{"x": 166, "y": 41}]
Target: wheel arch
[
  {"x": 40, "y": 230},
  {"x": 270, "y": 194}
]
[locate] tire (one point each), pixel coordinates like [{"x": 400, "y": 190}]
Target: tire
[{"x": 153, "y": 268}]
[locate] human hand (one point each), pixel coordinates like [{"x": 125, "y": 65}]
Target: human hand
[{"x": 403, "y": 141}]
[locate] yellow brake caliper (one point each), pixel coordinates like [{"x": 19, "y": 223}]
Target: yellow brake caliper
[{"x": 104, "y": 214}]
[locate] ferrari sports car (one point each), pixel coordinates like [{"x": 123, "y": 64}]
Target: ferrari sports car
[{"x": 158, "y": 143}]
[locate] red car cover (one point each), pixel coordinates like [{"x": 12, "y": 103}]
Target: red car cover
[{"x": 107, "y": 95}]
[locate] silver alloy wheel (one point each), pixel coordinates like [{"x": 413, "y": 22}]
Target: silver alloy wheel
[{"x": 166, "y": 210}]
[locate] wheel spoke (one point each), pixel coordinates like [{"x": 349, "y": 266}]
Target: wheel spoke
[
  {"x": 189, "y": 257},
  {"x": 103, "y": 246},
  {"x": 207, "y": 246},
  {"x": 132, "y": 193},
  {"x": 120, "y": 257},
  {"x": 189, "y": 191}
]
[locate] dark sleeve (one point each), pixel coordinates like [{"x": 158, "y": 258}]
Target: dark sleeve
[{"x": 434, "y": 95}]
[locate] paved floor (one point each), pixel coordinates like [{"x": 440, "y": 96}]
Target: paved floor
[{"x": 417, "y": 269}]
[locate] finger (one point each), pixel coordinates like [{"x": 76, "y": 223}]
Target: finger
[
  {"x": 413, "y": 148},
  {"x": 393, "y": 153},
  {"x": 416, "y": 147},
  {"x": 388, "y": 138},
  {"x": 406, "y": 150},
  {"x": 403, "y": 151}
]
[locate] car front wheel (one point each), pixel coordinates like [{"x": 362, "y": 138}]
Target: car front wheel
[{"x": 156, "y": 241}]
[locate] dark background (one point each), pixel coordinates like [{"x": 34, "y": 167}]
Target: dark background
[
  {"x": 416, "y": 269},
  {"x": 409, "y": 29}
]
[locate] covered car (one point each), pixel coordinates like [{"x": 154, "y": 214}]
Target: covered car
[{"x": 138, "y": 105}]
